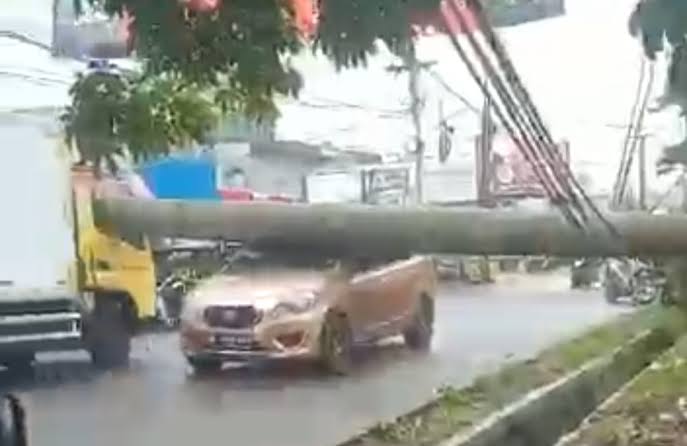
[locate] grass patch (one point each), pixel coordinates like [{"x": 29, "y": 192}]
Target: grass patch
[
  {"x": 651, "y": 411},
  {"x": 458, "y": 409}
]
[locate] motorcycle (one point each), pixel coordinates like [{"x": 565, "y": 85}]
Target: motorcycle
[
  {"x": 171, "y": 292},
  {"x": 639, "y": 280},
  {"x": 585, "y": 273}
]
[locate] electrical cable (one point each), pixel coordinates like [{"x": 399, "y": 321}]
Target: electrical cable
[
  {"x": 453, "y": 92},
  {"x": 553, "y": 190},
  {"x": 615, "y": 199},
  {"x": 534, "y": 114},
  {"x": 24, "y": 39},
  {"x": 525, "y": 105},
  {"x": 567, "y": 213},
  {"x": 637, "y": 127}
]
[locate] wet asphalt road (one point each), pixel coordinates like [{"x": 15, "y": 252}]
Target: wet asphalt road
[{"x": 158, "y": 401}]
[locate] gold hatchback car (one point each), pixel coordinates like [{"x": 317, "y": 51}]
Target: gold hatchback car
[{"x": 271, "y": 308}]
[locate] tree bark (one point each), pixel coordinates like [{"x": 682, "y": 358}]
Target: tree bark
[{"x": 355, "y": 229}]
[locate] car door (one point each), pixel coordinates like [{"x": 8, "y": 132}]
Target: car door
[
  {"x": 396, "y": 294},
  {"x": 365, "y": 297}
]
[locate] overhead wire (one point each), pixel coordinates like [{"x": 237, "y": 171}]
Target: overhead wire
[
  {"x": 628, "y": 134},
  {"x": 453, "y": 92},
  {"x": 524, "y": 105},
  {"x": 543, "y": 131},
  {"x": 552, "y": 155},
  {"x": 23, "y": 38},
  {"x": 636, "y": 129},
  {"x": 546, "y": 146},
  {"x": 519, "y": 140}
]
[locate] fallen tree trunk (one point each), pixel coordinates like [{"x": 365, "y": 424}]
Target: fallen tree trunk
[{"x": 355, "y": 229}]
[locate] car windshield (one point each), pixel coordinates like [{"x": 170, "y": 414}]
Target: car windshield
[{"x": 251, "y": 261}]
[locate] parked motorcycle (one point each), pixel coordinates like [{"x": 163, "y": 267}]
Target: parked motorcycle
[
  {"x": 640, "y": 281},
  {"x": 171, "y": 292},
  {"x": 585, "y": 273}
]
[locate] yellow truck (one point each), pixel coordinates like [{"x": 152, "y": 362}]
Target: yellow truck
[{"x": 63, "y": 283}]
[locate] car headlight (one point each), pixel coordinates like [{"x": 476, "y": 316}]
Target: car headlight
[{"x": 297, "y": 305}]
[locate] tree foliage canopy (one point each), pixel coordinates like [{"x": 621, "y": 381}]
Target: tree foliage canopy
[
  {"x": 662, "y": 26},
  {"x": 200, "y": 61},
  {"x": 113, "y": 111},
  {"x": 198, "y": 64}
]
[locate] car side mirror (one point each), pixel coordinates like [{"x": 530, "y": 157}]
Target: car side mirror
[{"x": 12, "y": 422}]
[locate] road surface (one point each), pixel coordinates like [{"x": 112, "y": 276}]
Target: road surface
[{"x": 159, "y": 402}]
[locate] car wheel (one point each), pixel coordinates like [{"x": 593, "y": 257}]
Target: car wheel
[
  {"x": 418, "y": 335},
  {"x": 336, "y": 341},
  {"x": 204, "y": 365},
  {"x": 109, "y": 335}
]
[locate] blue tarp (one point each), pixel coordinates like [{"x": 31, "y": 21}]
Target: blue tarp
[{"x": 183, "y": 177}]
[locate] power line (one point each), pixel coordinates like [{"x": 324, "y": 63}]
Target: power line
[
  {"x": 501, "y": 116},
  {"x": 632, "y": 140},
  {"x": 524, "y": 110},
  {"x": 23, "y": 38},
  {"x": 337, "y": 106},
  {"x": 555, "y": 160},
  {"x": 453, "y": 92},
  {"x": 514, "y": 126}
]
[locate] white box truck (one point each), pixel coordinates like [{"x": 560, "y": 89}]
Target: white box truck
[
  {"x": 63, "y": 284},
  {"x": 39, "y": 308}
]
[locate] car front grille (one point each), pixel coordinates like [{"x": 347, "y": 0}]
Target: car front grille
[{"x": 235, "y": 317}]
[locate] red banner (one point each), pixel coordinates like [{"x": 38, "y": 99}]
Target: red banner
[{"x": 512, "y": 175}]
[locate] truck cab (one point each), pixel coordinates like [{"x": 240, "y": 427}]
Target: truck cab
[{"x": 64, "y": 284}]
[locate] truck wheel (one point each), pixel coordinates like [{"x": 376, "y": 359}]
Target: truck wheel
[
  {"x": 110, "y": 335},
  {"x": 9, "y": 434},
  {"x": 336, "y": 342},
  {"x": 204, "y": 365},
  {"x": 418, "y": 335}
]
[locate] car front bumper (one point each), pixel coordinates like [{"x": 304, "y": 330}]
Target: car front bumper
[{"x": 291, "y": 337}]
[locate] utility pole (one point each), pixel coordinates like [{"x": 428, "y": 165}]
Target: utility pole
[
  {"x": 414, "y": 67},
  {"x": 642, "y": 172}
]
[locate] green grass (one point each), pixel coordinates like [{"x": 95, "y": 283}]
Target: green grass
[
  {"x": 457, "y": 409},
  {"x": 651, "y": 411}
]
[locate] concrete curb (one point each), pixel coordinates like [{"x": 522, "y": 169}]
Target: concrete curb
[{"x": 545, "y": 414}]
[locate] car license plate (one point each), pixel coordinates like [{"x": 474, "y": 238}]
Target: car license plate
[{"x": 235, "y": 341}]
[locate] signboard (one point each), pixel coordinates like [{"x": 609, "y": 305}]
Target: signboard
[
  {"x": 450, "y": 184},
  {"x": 374, "y": 184},
  {"x": 386, "y": 185},
  {"x": 510, "y": 175},
  {"x": 333, "y": 187}
]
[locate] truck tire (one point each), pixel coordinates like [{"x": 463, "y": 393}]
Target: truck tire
[
  {"x": 110, "y": 334},
  {"x": 12, "y": 421},
  {"x": 336, "y": 344},
  {"x": 8, "y": 424},
  {"x": 418, "y": 336}
]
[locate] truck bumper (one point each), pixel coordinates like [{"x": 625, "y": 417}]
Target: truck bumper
[{"x": 33, "y": 326}]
